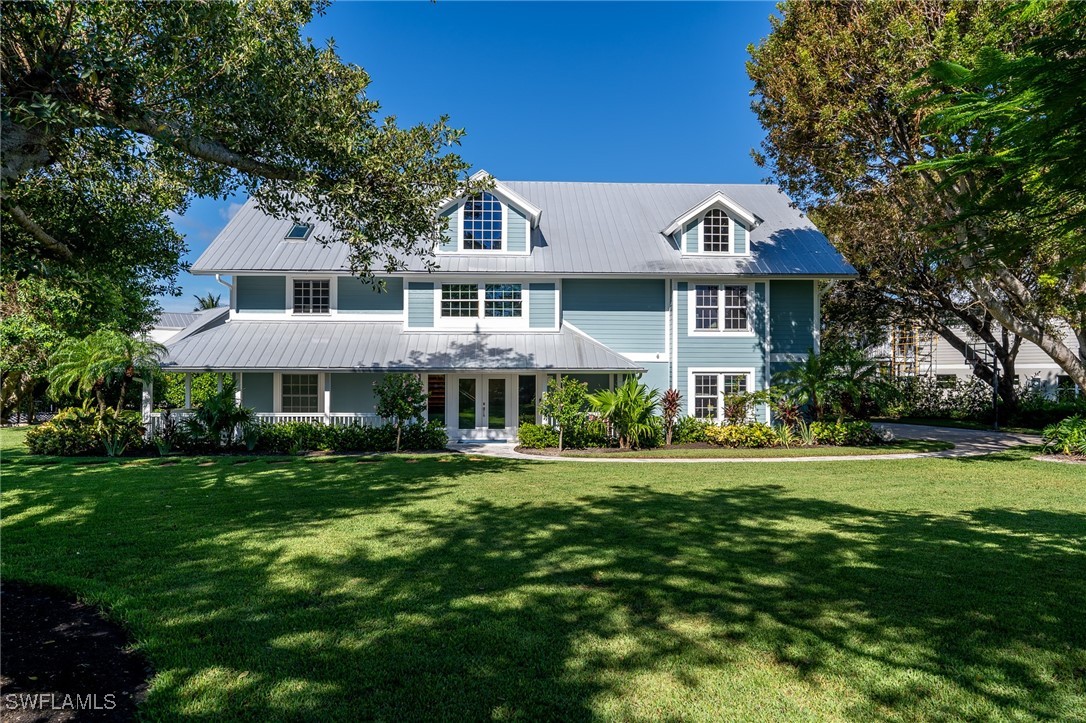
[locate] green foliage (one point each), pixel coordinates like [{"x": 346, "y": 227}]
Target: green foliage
[
  {"x": 537, "y": 436},
  {"x": 630, "y": 410},
  {"x": 219, "y": 421},
  {"x": 804, "y": 434},
  {"x": 211, "y": 301},
  {"x": 844, "y": 434},
  {"x": 1066, "y": 437},
  {"x": 690, "y": 430},
  {"x": 204, "y": 386},
  {"x": 751, "y": 435},
  {"x": 297, "y": 437},
  {"x": 119, "y": 113},
  {"x": 564, "y": 405},
  {"x": 74, "y": 432},
  {"x": 844, "y": 381},
  {"x": 401, "y": 399},
  {"x": 101, "y": 365}
]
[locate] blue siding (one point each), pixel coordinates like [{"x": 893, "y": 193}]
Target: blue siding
[
  {"x": 420, "y": 304},
  {"x": 628, "y": 315},
  {"x": 791, "y": 316},
  {"x": 261, "y": 293},
  {"x": 691, "y": 235},
  {"x": 541, "y": 301},
  {"x": 449, "y": 243},
  {"x": 724, "y": 351},
  {"x": 740, "y": 237},
  {"x": 657, "y": 375},
  {"x": 257, "y": 391},
  {"x": 516, "y": 230},
  {"x": 358, "y": 297},
  {"x": 353, "y": 392}
]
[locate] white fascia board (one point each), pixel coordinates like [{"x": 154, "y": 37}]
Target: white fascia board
[
  {"x": 505, "y": 194},
  {"x": 717, "y": 198}
]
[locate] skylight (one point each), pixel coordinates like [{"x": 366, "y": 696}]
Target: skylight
[{"x": 299, "y": 232}]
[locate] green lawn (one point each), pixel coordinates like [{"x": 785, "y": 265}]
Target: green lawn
[
  {"x": 899, "y": 447},
  {"x": 455, "y": 587}
]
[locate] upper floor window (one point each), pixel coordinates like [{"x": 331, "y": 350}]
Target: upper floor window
[
  {"x": 299, "y": 232},
  {"x": 715, "y": 232},
  {"x": 482, "y": 223},
  {"x": 721, "y": 308},
  {"x": 495, "y": 300},
  {"x": 312, "y": 296}
]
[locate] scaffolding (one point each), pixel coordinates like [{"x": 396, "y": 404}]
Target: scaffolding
[{"x": 912, "y": 350}]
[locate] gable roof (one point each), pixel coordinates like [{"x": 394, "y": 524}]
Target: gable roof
[
  {"x": 716, "y": 199},
  {"x": 585, "y": 229},
  {"x": 175, "y": 319}
]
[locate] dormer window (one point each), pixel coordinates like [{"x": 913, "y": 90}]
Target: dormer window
[
  {"x": 716, "y": 238},
  {"x": 299, "y": 232},
  {"x": 482, "y": 223}
]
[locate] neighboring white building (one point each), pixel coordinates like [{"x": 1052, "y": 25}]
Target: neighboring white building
[{"x": 169, "y": 323}]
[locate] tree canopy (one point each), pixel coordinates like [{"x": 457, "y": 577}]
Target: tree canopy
[
  {"x": 116, "y": 113},
  {"x": 846, "y": 97}
]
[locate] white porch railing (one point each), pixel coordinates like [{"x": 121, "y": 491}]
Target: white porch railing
[{"x": 338, "y": 419}]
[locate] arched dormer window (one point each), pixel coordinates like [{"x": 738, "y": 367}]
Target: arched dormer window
[
  {"x": 715, "y": 232},
  {"x": 482, "y": 223}
]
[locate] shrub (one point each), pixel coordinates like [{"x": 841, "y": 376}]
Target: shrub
[
  {"x": 630, "y": 410},
  {"x": 73, "y": 432},
  {"x": 401, "y": 398},
  {"x": 670, "y": 406},
  {"x": 294, "y": 437},
  {"x": 424, "y": 436},
  {"x": 538, "y": 436},
  {"x": 690, "y": 430},
  {"x": 299, "y": 437},
  {"x": 852, "y": 434},
  {"x": 751, "y": 435},
  {"x": 564, "y": 405},
  {"x": 1066, "y": 437},
  {"x": 218, "y": 421}
]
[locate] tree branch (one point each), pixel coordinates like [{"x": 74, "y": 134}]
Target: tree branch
[{"x": 31, "y": 227}]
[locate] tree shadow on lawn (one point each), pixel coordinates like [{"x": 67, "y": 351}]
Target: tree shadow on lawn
[{"x": 470, "y": 609}]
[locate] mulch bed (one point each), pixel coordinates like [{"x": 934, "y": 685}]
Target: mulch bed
[{"x": 60, "y": 660}]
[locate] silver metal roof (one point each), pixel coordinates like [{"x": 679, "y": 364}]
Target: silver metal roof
[
  {"x": 380, "y": 346},
  {"x": 175, "y": 320},
  {"x": 586, "y": 228}
]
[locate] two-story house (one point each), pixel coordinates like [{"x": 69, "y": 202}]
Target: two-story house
[{"x": 704, "y": 288}]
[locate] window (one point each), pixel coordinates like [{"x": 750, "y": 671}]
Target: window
[
  {"x": 483, "y": 223},
  {"x": 706, "y": 307},
  {"x": 720, "y": 308},
  {"x": 705, "y": 396},
  {"x": 710, "y": 389},
  {"x": 299, "y": 232},
  {"x": 300, "y": 393},
  {"x": 459, "y": 300},
  {"x": 311, "y": 296},
  {"x": 502, "y": 300},
  {"x": 526, "y": 398},
  {"x": 714, "y": 230}
]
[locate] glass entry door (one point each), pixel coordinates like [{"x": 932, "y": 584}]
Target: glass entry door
[{"x": 482, "y": 407}]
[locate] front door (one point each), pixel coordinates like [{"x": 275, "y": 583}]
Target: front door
[{"x": 481, "y": 408}]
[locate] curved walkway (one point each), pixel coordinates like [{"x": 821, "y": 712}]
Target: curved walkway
[{"x": 967, "y": 443}]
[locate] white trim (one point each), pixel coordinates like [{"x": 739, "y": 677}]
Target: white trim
[
  {"x": 482, "y": 322},
  {"x": 749, "y": 371},
  {"x": 715, "y": 199},
  {"x": 816, "y": 322},
  {"x": 691, "y": 309},
  {"x": 715, "y": 254},
  {"x": 767, "y": 372},
  {"x": 673, "y": 314},
  {"x": 506, "y": 194}
]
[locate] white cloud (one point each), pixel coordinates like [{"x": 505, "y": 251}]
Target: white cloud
[{"x": 230, "y": 211}]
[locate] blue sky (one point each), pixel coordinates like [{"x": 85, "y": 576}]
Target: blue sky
[{"x": 551, "y": 91}]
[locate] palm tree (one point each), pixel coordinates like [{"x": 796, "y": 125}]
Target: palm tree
[
  {"x": 211, "y": 301},
  {"x": 856, "y": 378},
  {"x": 629, "y": 409},
  {"x": 811, "y": 382},
  {"x": 106, "y": 358}
]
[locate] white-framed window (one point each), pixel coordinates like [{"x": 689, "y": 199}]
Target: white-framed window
[
  {"x": 492, "y": 301},
  {"x": 312, "y": 296},
  {"x": 716, "y": 232},
  {"x": 709, "y": 387},
  {"x": 300, "y": 393},
  {"x": 719, "y": 308},
  {"x": 482, "y": 223}
]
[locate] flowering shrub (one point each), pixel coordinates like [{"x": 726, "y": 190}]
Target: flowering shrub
[{"x": 751, "y": 435}]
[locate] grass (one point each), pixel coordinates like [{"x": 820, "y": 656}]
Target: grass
[
  {"x": 898, "y": 447},
  {"x": 451, "y": 587}
]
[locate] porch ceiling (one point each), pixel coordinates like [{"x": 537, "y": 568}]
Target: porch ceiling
[{"x": 383, "y": 346}]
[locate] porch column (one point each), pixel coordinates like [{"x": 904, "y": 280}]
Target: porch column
[
  {"x": 237, "y": 388},
  {"x": 188, "y": 390},
  {"x": 218, "y": 382},
  {"x": 147, "y": 401},
  {"x": 327, "y": 398}
]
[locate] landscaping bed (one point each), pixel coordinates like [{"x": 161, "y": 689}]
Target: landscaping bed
[{"x": 709, "y": 451}]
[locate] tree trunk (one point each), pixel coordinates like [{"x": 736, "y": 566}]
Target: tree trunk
[{"x": 398, "y": 429}]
